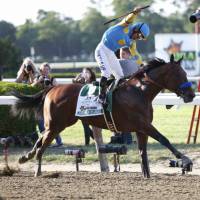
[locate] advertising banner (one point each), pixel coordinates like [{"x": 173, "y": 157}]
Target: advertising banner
[{"x": 183, "y": 44}]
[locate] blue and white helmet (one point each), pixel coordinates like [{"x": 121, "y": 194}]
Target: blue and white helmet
[{"x": 143, "y": 28}]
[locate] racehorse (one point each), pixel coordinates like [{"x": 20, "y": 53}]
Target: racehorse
[{"x": 132, "y": 109}]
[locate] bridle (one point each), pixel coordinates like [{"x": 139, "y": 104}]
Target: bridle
[
  {"x": 145, "y": 79},
  {"x": 179, "y": 91}
]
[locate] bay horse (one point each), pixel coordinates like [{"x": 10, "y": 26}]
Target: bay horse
[{"x": 132, "y": 109}]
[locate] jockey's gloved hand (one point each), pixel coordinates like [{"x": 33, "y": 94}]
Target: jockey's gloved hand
[
  {"x": 136, "y": 10},
  {"x": 141, "y": 65}
]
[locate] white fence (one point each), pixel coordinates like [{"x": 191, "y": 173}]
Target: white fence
[
  {"x": 67, "y": 65},
  {"x": 7, "y": 100},
  {"x": 172, "y": 99},
  {"x": 69, "y": 80},
  {"x": 161, "y": 99},
  {"x": 59, "y": 80}
]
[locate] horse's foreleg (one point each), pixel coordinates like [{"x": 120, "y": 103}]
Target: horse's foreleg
[
  {"x": 152, "y": 132},
  {"x": 31, "y": 153},
  {"x": 97, "y": 133},
  {"x": 142, "y": 146},
  {"x": 38, "y": 168},
  {"x": 46, "y": 140}
]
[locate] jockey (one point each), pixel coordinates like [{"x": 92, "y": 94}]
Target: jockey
[{"x": 124, "y": 34}]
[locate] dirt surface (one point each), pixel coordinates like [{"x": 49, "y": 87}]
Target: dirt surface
[
  {"x": 95, "y": 185},
  {"x": 61, "y": 181},
  {"x": 66, "y": 183}
]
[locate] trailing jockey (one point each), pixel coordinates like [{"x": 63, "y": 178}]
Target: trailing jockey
[{"x": 124, "y": 34}]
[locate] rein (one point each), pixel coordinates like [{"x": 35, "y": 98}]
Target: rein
[
  {"x": 142, "y": 74},
  {"x": 179, "y": 91},
  {"x": 148, "y": 79}
]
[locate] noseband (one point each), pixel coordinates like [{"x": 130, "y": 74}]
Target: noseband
[{"x": 183, "y": 87}]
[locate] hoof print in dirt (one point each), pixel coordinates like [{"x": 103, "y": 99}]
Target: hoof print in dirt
[{"x": 7, "y": 171}]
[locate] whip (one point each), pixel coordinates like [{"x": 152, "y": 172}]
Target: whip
[{"x": 112, "y": 20}]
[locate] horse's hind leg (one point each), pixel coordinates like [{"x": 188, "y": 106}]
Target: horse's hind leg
[
  {"x": 142, "y": 146},
  {"x": 46, "y": 140},
  {"x": 31, "y": 153}
]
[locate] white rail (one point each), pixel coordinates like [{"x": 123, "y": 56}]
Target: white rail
[
  {"x": 161, "y": 99},
  {"x": 7, "y": 100},
  {"x": 69, "y": 80},
  {"x": 172, "y": 99}
]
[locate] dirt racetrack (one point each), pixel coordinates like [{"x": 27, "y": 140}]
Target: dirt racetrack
[{"x": 95, "y": 185}]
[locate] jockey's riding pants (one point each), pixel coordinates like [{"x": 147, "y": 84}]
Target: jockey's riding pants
[{"x": 108, "y": 62}]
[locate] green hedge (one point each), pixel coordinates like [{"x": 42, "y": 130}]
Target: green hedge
[
  {"x": 10, "y": 125},
  {"x": 6, "y": 87}
]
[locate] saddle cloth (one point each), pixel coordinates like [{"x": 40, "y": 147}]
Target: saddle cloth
[{"x": 87, "y": 104}]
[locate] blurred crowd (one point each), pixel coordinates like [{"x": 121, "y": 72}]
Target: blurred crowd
[{"x": 41, "y": 77}]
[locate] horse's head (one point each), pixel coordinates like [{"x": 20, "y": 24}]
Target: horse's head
[
  {"x": 177, "y": 80},
  {"x": 172, "y": 77}
]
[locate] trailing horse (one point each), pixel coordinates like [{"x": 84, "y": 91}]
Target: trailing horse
[{"x": 132, "y": 109}]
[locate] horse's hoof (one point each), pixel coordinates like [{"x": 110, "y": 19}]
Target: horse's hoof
[
  {"x": 146, "y": 175},
  {"x": 187, "y": 168},
  {"x": 106, "y": 169},
  {"x": 37, "y": 174},
  {"x": 186, "y": 165},
  {"x": 22, "y": 160}
]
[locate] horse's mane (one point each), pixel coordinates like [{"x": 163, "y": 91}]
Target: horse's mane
[{"x": 156, "y": 62}]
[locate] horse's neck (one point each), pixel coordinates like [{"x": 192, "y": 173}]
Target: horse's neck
[
  {"x": 151, "y": 91},
  {"x": 156, "y": 84}
]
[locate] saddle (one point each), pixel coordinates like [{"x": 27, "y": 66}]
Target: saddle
[
  {"x": 88, "y": 105},
  {"x": 112, "y": 85}
]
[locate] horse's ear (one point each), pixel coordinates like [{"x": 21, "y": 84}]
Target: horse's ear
[
  {"x": 179, "y": 61},
  {"x": 171, "y": 58}
]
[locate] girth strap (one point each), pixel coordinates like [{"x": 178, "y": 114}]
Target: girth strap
[{"x": 109, "y": 120}]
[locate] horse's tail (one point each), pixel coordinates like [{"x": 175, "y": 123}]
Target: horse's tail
[{"x": 29, "y": 105}]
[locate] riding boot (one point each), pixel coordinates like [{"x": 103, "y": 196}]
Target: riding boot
[{"x": 103, "y": 87}]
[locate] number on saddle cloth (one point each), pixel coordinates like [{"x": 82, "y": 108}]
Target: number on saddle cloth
[
  {"x": 93, "y": 90},
  {"x": 89, "y": 90},
  {"x": 87, "y": 104}
]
